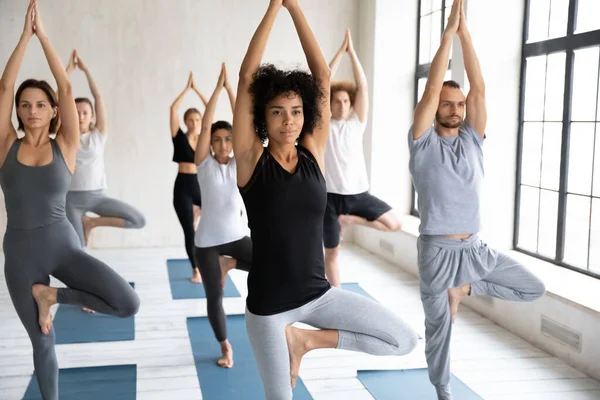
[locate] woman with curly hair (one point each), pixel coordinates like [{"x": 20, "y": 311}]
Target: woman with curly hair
[{"x": 285, "y": 194}]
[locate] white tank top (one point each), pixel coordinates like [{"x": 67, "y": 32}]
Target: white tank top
[
  {"x": 222, "y": 204},
  {"x": 345, "y": 169},
  {"x": 89, "y": 168}
]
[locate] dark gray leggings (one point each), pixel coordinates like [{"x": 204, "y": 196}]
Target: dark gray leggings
[
  {"x": 207, "y": 260},
  {"x": 81, "y": 201},
  {"x": 31, "y": 256}
]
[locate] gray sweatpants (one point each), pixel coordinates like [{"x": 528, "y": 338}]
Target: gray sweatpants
[
  {"x": 364, "y": 325},
  {"x": 81, "y": 201},
  {"x": 448, "y": 263}
]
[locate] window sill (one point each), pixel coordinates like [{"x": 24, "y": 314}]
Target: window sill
[{"x": 561, "y": 283}]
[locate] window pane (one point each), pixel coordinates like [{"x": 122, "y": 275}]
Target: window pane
[
  {"x": 534, "y": 88},
  {"x": 595, "y": 237},
  {"x": 528, "y": 218},
  {"x": 587, "y": 15},
  {"x": 531, "y": 162},
  {"x": 427, "y": 6},
  {"x": 581, "y": 152},
  {"x": 551, "y": 155},
  {"x": 577, "y": 230},
  {"x": 555, "y": 85},
  {"x": 548, "y": 223},
  {"x": 585, "y": 85},
  {"x": 421, "y": 88},
  {"x": 436, "y": 34},
  {"x": 559, "y": 16},
  {"x": 596, "y": 191},
  {"x": 539, "y": 11},
  {"x": 425, "y": 39}
]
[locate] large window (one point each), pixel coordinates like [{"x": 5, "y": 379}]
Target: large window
[
  {"x": 557, "y": 216},
  {"x": 433, "y": 18}
]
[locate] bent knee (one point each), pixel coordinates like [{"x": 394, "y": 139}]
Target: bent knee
[
  {"x": 406, "y": 343},
  {"x": 136, "y": 221},
  {"x": 130, "y": 307},
  {"x": 539, "y": 289},
  {"x": 391, "y": 221}
]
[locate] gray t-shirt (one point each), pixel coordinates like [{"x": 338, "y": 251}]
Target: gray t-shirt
[{"x": 447, "y": 173}]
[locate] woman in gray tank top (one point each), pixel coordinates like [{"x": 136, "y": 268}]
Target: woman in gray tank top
[{"x": 35, "y": 174}]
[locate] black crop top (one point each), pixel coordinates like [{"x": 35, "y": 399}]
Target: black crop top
[
  {"x": 182, "y": 151},
  {"x": 285, "y": 215}
]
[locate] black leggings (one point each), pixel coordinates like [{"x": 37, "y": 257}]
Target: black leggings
[
  {"x": 186, "y": 194},
  {"x": 207, "y": 259}
]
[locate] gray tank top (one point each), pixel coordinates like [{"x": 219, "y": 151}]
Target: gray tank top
[
  {"x": 35, "y": 196},
  {"x": 447, "y": 173}
]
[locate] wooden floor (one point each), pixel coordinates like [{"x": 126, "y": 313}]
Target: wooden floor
[{"x": 493, "y": 362}]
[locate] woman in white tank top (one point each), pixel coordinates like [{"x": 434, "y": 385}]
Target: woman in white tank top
[
  {"x": 86, "y": 193},
  {"x": 221, "y": 241}
]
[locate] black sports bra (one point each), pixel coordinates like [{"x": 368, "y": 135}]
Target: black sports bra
[{"x": 182, "y": 151}]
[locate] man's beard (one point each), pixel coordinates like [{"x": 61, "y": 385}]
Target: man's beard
[{"x": 449, "y": 125}]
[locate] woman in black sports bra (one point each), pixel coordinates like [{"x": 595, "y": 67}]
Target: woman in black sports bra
[
  {"x": 186, "y": 193},
  {"x": 284, "y": 191}
]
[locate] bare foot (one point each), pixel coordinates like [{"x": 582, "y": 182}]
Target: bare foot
[
  {"x": 227, "y": 264},
  {"x": 45, "y": 297},
  {"x": 345, "y": 221},
  {"x": 226, "y": 360},
  {"x": 297, "y": 348},
  {"x": 455, "y": 295},
  {"x": 197, "y": 278},
  {"x": 88, "y": 225},
  {"x": 88, "y": 310}
]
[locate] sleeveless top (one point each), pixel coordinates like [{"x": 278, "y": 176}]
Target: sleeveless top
[
  {"x": 35, "y": 196},
  {"x": 285, "y": 215}
]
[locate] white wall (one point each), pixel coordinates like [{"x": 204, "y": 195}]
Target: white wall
[{"x": 140, "y": 52}]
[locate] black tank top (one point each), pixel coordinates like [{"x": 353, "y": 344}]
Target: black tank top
[
  {"x": 285, "y": 215},
  {"x": 182, "y": 151}
]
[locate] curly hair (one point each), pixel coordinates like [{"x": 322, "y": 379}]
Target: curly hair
[
  {"x": 269, "y": 82},
  {"x": 344, "y": 86}
]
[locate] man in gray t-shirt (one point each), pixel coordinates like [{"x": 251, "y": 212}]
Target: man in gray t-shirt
[{"x": 446, "y": 165}]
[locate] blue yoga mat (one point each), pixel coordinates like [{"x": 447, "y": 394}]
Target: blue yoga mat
[
  {"x": 116, "y": 382},
  {"x": 180, "y": 272},
  {"x": 242, "y": 382},
  {"x": 410, "y": 384},
  {"x": 71, "y": 325},
  {"x": 354, "y": 287}
]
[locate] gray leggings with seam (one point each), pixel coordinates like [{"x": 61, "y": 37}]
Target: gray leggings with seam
[
  {"x": 30, "y": 257},
  {"x": 81, "y": 201},
  {"x": 448, "y": 263},
  {"x": 364, "y": 325}
]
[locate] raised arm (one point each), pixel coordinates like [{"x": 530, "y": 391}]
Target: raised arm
[
  {"x": 176, "y": 104},
  {"x": 320, "y": 70},
  {"x": 335, "y": 61},
  {"x": 476, "y": 108},
  {"x": 427, "y": 106},
  {"x": 68, "y": 135},
  {"x": 203, "y": 144},
  {"x": 247, "y": 147},
  {"x": 8, "y": 80},
  {"x": 229, "y": 89},
  {"x": 99, "y": 102},
  {"x": 361, "y": 102}
]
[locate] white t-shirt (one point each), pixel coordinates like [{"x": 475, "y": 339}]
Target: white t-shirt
[
  {"x": 345, "y": 169},
  {"x": 89, "y": 168},
  {"x": 221, "y": 221}
]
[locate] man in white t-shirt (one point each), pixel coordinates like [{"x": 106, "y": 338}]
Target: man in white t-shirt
[{"x": 348, "y": 198}]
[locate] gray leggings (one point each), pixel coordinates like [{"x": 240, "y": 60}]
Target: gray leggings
[
  {"x": 81, "y": 201},
  {"x": 448, "y": 263},
  {"x": 364, "y": 325},
  {"x": 30, "y": 257}
]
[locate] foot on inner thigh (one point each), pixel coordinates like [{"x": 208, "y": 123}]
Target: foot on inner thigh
[
  {"x": 297, "y": 342},
  {"x": 196, "y": 278},
  {"x": 226, "y": 360},
  {"x": 455, "y": 295},
  {"x": 45, "y": 297},
  {"x": 227, "y": 264}
]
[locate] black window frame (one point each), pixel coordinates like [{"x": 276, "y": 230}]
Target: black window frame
[{"x": 568, "y": 44}]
